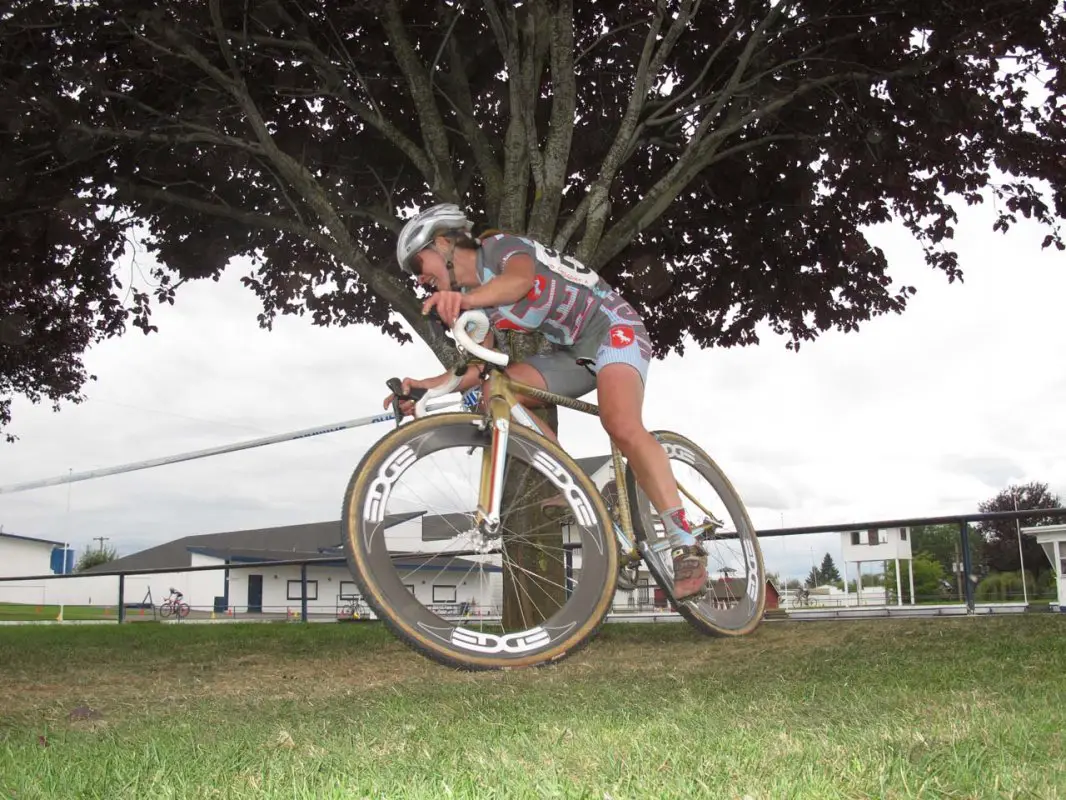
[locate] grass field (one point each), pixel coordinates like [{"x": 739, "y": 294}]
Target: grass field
[
  {"x": 30, "y": 612},
  {"x": 971, "y": 707}
]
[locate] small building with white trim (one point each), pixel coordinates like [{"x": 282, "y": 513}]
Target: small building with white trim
[
  {"x": 1052, "y": 539},
  {"x": 881, "y": 545}
]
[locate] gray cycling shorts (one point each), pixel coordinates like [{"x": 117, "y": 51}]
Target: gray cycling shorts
[{"x": 613, "y": 335}]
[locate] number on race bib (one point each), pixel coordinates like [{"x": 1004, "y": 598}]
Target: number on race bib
[{"x": 566, "y": 266}]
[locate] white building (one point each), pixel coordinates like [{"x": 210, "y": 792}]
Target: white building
[
  {"x": 1052, "y": 538},
  {"x": 877, "y": 544},
  {"x": 25, "y": 555},
  {"x": 468, "y": 584}
]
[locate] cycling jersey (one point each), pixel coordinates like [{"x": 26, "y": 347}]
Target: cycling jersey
[
  {"x": 564, "y": 291},
  {"x": 573, "y": 307}
]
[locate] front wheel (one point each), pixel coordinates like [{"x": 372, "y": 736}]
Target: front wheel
[
  {"x": 541, "y": 583},
  {"x": 735, "y": 599}
]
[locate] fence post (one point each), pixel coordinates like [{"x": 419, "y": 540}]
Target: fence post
[
  {"x": 121, "y": 599},
  {"x": 967, "y": 565},
  {"x": 303, "y": 593}
]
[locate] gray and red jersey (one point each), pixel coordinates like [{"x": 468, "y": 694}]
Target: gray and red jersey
[{"x": 572, "y": 306}]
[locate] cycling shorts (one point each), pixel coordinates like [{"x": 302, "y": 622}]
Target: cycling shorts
[{"x": 614, "y": 334}]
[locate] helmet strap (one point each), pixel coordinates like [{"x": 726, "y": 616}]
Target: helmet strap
[{"x": 449, "y": 265}]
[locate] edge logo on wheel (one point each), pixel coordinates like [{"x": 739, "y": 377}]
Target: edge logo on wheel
[{"x": 622, "y": 336}]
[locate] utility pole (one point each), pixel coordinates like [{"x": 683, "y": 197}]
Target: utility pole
[
  {"x": 1021, "y": 555},
  {"x": 101, "y": 540},
  {"x": 958, "y": 570}
]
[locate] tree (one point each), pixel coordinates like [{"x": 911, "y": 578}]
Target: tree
[
  {"x": 944, "y": 543},
  {"x": 94, "y": 558},
  {"x": 827, "y": 572},
  {"x": 813, "y": 578},
  {"x": 1001, "y": 536},
  {"x": 929, "y": 580},
  {"x": 660, "y": 143}
]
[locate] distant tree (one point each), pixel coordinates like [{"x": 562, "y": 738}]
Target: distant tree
[
  {"x": 1000, "y": 538},
  {"x": 827, "y": 573},
  {"x": 943, "y": 543},
  {"x": 94, "y": 558},
  {"x": 814, "y": 578},
  {"x": 929, "y": 578}
]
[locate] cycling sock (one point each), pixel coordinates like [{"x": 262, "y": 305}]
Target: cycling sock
[{"x": 677, "y": 527}]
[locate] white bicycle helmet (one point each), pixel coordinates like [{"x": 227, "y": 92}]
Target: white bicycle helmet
[{"x": 421, "y": 228}]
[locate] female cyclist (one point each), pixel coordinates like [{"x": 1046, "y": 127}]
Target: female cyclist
[{"x": 524, "y": 285}]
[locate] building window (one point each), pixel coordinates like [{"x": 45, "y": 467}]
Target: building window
[
  {"x": 292, "y": 590},
  {"x": 349, "y": 590},
  {"x": 871, "y": 536},
  {"x": 443, "y": 594},
  {"x": 903, "y": 534},
  {"x": 409, "y": 587},
  {"x": 855, "y": 537}
]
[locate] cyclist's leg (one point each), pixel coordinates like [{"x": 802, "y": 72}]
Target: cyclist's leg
[
  {"x": 622, "y": 367},
  {"x": 556, "y": 372}
]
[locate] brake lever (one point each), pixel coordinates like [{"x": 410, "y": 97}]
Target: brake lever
[{"x": 395, "y": 385}]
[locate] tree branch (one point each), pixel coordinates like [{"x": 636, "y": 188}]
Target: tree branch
[
  {"x": 604, "y": 36},
  {"x": 335, "y": 86},
  {"x": 516, "y": 156},
  {"x": 491, "y": 172},
  {"x": 561, "y": 126},
  {"x": 656, "y": 117},
  {"x": 649, "y": 66},
  {"x": 529, "y": 86},
  {"x": 249, "y": 218},
  {"x": 429, "y": 118},
  {"x": 197, "y": 136},
  {"x": 697, "y": 156}
]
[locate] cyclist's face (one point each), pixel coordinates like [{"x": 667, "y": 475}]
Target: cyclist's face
[{"x": 430, "y": 269}]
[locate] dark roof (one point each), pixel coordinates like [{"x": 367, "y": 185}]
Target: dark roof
[
  {"x": 590, "y": 464},
  {"x": 446, "y": 563},
  {"x": 308, "y": 540},
  {"x": 31, "y": 539},
  {"x": 444, "y": 526},
  {"x": 236, "y": 556}
]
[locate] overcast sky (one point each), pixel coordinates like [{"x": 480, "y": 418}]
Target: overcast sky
[{"x": 929, "y": 412}]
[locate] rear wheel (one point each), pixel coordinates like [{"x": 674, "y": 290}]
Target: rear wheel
[
  {"x": 735, "y": 599},
  {"x": 439, "y": 581}
]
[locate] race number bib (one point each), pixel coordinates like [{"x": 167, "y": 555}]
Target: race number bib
[{"x": 565, "y": 266}]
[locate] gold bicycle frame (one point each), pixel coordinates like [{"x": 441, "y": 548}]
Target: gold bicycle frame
[{"x": 499, "y": 396}]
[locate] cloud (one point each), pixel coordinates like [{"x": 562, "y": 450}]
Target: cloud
[{"x": 993, "y": 471}]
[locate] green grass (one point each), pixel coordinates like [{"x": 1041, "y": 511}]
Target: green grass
[
  {"x": 971, "y": 707},
  {"x": 30, "y": 612}
]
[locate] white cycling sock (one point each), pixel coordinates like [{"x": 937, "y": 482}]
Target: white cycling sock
[{"x": 677, "y": 527}]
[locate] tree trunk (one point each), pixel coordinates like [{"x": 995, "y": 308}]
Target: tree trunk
[{"x": 534, "y": 575}]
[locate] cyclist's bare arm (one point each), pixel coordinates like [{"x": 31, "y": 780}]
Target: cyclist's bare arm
[{"x": 469, "y": 381}]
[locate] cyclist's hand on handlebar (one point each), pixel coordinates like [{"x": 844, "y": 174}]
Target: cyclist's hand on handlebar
[
  {"x": 407, "y": 406},
  {"x": 448, "y": 304}
]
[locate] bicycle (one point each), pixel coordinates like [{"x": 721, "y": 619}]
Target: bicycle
[
  {"x": 523, "y": 465},
  {"x": 174, "y": 605}
]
